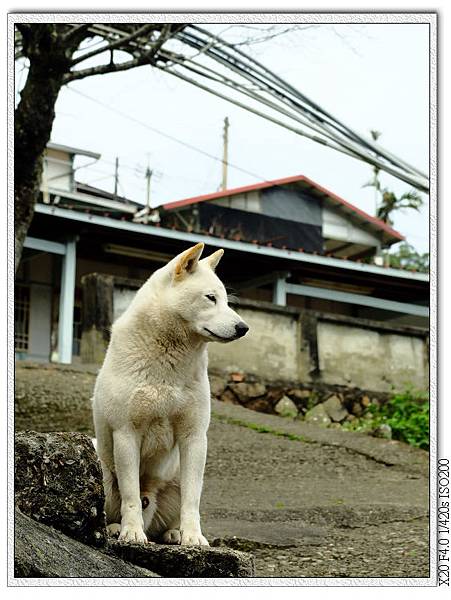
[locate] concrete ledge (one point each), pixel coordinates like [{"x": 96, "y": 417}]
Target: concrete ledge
[
  {"x": 185, "y": 561},
  {"x": 261, "y": 305},
  {"x": 264, "y": 306}
]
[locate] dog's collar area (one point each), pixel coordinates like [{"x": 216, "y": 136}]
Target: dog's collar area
[{"x": 218, "y": 336}]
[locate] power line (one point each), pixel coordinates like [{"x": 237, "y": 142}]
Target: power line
[{"x": 166, "y": 135}]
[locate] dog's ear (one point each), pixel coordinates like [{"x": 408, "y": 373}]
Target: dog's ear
[
  {"x": 213, "y": 260},
  {"x": 187, "y": 261}
]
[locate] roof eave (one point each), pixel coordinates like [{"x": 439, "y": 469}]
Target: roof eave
[
  {"x": 72, "y": 150},
  {"x": 246, "y": 247}
]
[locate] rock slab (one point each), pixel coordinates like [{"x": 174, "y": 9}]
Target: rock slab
[
  {"x": 42, "y": 551},
  {"x": 58, "y": 485},
  {"x": 186, "y": 561},
  {"x": 286, "y": 407},
  {"x": 318, "y": 416},
  {"x": 58, "y": 482},
  {"x": 335, "y": 409}
]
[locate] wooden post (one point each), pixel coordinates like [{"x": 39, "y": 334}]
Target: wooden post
[
  {"x": 97, "y": 316},
  {"x": 309, "y": 342}
]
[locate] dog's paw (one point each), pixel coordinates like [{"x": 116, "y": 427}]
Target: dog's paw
[
  {"x": 132, "y": 533},
  {"x": 193, "y": 538},
  {"x": 171, "y": 536}
]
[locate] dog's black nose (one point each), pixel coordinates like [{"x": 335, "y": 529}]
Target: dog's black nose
[{"x": 241, "y": 329}]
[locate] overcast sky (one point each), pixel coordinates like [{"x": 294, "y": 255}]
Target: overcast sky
[{"x": 369, "y": 76}]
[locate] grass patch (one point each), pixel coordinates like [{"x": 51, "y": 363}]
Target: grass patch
[
  {"x": 259, "y": 428},
  {"x": 407, "y": 414}
]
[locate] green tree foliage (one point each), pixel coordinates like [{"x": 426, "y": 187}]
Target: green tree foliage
[
  {"x": 406, "y": 257},
  {"x": 391, "y": 202}
]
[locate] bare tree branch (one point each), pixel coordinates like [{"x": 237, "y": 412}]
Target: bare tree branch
[
  {"x": 118, "y": 43},
  {"x": 164, "y": 35},
  {"x": 271, "y": 33},
  {"x": 103, "y": 69},
  {"x": 75, "y": 31},
  {"x": 147, "y": 58}
]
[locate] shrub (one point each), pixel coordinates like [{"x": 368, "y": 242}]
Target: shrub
[{"x": 407, "y": 413}]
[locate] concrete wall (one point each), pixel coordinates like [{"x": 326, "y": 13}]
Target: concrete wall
[
  {"x": 122, "y": 297},
  {"x": 370, "y": 358},
  {"x": 271, "y": 347},
  {"x": 307, "y": 346}
]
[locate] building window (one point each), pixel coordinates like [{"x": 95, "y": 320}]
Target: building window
[{"x": 21, "y": 318}]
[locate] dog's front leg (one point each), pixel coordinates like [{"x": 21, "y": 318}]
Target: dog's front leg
[
  {"x": 126, "y": 459},
  {"x": 193, "y": 452}
]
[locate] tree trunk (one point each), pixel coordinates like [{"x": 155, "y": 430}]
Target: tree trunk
[
  {"x": 32, "y": 128},
  {"x": 50, "y": 48}
]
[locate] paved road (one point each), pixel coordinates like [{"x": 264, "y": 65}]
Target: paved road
[
  {"x": 308, "y": 502},
  {"x": 336, "y": 504}
]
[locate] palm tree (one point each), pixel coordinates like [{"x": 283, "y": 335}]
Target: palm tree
[{"x": 390, "y": 202}]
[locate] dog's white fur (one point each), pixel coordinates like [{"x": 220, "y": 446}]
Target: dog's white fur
[{"x": 151, "y": 402}]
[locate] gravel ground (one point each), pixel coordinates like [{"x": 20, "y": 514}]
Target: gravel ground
[{"x": 332, "y": 505}]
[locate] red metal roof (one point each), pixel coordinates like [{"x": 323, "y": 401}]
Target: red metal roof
[{"x": 362, "y": 215}]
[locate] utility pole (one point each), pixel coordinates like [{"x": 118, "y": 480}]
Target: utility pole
[
  {"x": 377, "y": 187},
  {"x": 116, "y": 176},
  {"x": 148, "y": 178},
  {"x": 146, "y": 214},
  {"x": 225, "y": 154}
]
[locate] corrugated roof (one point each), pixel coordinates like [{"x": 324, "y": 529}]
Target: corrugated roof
[{"x": 305, "y": 182}]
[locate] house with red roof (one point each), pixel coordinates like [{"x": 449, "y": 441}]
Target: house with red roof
[
  {"x": 292, "y": 247},
  {"x": 293, "y": 213}
]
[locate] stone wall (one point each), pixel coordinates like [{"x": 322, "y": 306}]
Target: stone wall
[
  {"x": 289, "y": 344},
  {"x": 292, "y": 399}
]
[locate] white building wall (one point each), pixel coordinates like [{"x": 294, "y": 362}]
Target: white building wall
[
  {"x": 58, "y": 171},
  {"x": 338, "y": 227},
  {"x": 249, "y": 201}
]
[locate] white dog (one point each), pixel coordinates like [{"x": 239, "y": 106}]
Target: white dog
[{"x": 151, "y": 402}]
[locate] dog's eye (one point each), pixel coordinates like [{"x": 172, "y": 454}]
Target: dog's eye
[{"x": 211, "y": 297}]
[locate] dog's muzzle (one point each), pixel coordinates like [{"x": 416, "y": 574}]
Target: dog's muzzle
[{"x": 241, "y": 329}]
